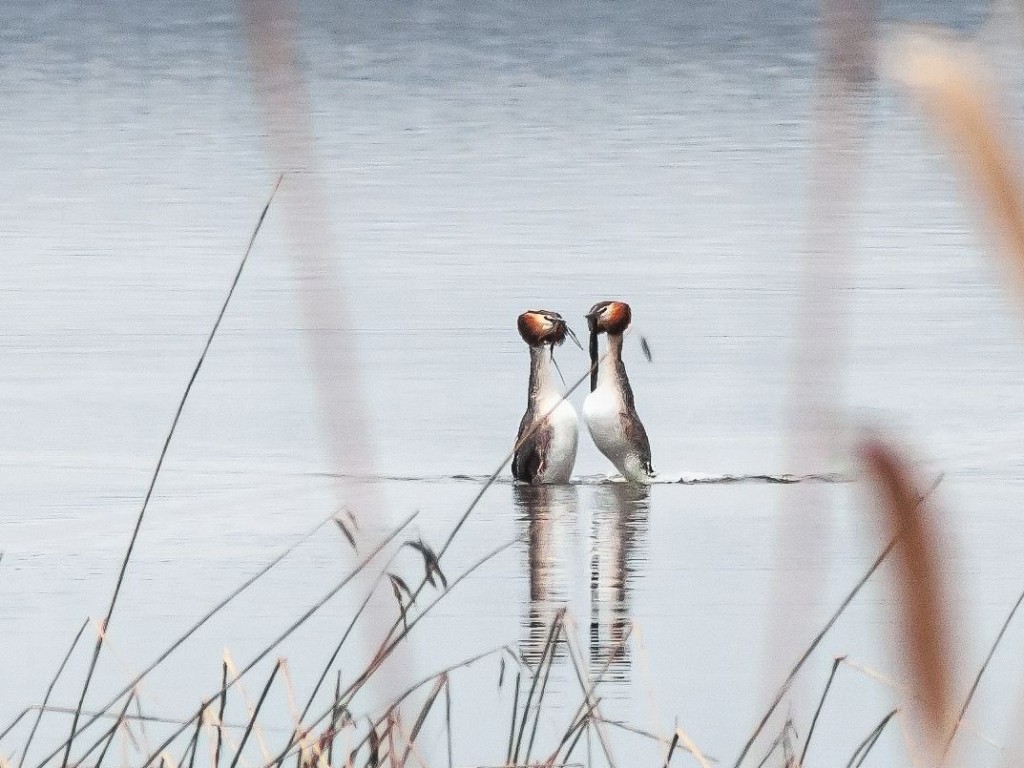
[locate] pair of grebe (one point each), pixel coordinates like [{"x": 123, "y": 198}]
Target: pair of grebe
[{"x": 548, "y": 433}]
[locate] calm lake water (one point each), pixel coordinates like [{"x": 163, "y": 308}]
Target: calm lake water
[{"x": 478, "y": 160}]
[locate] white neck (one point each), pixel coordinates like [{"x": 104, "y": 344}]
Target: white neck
[
  {"x": 608, "y": 365},
  {"x": 544, "y": 381}
]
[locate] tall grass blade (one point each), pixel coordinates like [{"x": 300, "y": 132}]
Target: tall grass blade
[
  {"x": 295, "y": 625},
  {"x": 817, "y": 712},
  {"x": 166, "y": 653},
  {"x": 861, "y": 753},
  {"x": 255, "y": 713},
  {"x": 220, "y": 714},
  {"x": 107, "y": 739},
  {"x": 105, "y": 626},
  {"x": 49, "y": 690},
  {"x": 977, "y": 680},
  {"x": 442, "y": 682}
]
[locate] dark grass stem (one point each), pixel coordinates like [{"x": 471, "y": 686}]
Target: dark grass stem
[
  {"x": 548, "y": 645},
  {"x": 105, "y": 625},
  {"x": 255, "y": 713},
  {"x": 49, "y": 690},
  {"x": 397, "y": 701},
  {"x": 108, "y": 737},
  {"x": 345, "y": 635},
  {"x": 812, "y": 647},
  {"x": 421, "y": 718},
  {"x": 366, "y": 560},
  {"x": 588, "y": 690},
  {"x": 189, "y": 632},
  {"x": 515, "y": 716},
  {"x": 220, "y": 713},
  {"x": 821, "y": 703},
  {"x": 868, "y": 744},
  {"x": 448, "y": 719},
  {"x": 194, "y": 745},
  {"x": 828, "y": 625},
  {"x": 335, "y": 719},
  {"x": 671, "y": 749},
  {"x": 974, "y": 686},
  {"x": 385, "y": 651},
  {"x": 557, "y": 625}
]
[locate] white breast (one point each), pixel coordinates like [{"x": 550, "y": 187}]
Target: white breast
[
  {"x": 564, "y": 440},
  {"x": 602, "y": 410}
]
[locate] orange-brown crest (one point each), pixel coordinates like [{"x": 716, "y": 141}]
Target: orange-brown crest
[
  {"x": 610, "y": 317},
  {"x": 541, "y": 326}
]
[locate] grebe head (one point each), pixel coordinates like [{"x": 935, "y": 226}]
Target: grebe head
[
  {"x": 605, "y": 317},
  {"x": 609, "y": 317},
  {"x": 540, "y": 326}
]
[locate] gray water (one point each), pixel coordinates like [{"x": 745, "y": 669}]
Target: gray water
[{"x": 479, "y": 160}]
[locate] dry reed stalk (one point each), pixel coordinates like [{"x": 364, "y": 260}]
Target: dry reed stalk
[
  {"x": 416, "y": 686},
  {"x": 49, "y": 690},
  {"x": 682, "y": 737},
  {"x": 156, "y": 474},
  {"x": 309, "y": 612},
  {"x": 166, "y": 653},
  {"x": 107, "y": 739},
  {"x": 448, "y": 721},
  {"x": 643, "y": 664},
  {"x": 220, "y": 714},
  {"x": 921, "y": 591},
  {"x": 547, "y": 653},
  {"x": 590, "y": 686},
  {"x": 981, "y": 671},
  {"x": 194, "y": 745},
  {"x": 904, "y": 690},
  {"x": 254, "y": 713},
  {"x": 861, "y": 753},
  {"x": 956, "y": 93},
  {"x": 817, "y": 712},
  {"x": 385, "y": 650},
  {"x": 442, "y": 682}
]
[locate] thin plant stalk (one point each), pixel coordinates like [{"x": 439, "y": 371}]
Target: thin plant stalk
[
  {"x": 977, "y": 680},
  {"x": 868, "y": 744},
  {"x": 810, "y": 650},
  {"x": 384, "y": 652},
  {"x": 113, "y": 731},
  {"x": 369, "y": 557},
  {"x": 220, "y": 714},
  {"x": 552, "y": 635},
  {"x": 105, "y": 626},
  {"x": 448, "y": 719},
  {"x": 547, "y": 674},
  {"x": 255, "y": 713},
  {"x": 195, "y": 737},
  {"x": 821, "y": 703},
  {"x": 515, "y": 716},
  {"x": 166, "y": 653},
  {"x": 49, "y": 690}
]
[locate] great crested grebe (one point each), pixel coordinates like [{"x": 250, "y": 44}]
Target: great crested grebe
[
  {"x": 549, "y": 432},
  {"x": 609, "y": 409}
]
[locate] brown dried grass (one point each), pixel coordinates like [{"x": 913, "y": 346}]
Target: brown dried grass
[{"x": 920, "y": 587}]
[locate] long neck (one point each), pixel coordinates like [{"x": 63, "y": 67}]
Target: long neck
[
  {"x": 611, "y": 371},
  {"x": 543, "y": 379}
]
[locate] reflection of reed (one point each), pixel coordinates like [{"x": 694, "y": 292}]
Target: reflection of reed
[
  {"x": 620, "y": 524},
  {"x": 549, "y": 514}
]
